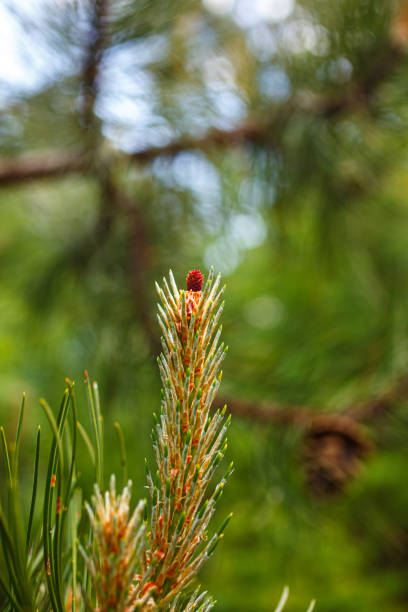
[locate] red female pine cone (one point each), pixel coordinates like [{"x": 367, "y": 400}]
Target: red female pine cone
[
  {"x": 192, "y": 295},
  {"x": 194, "y": 280}
]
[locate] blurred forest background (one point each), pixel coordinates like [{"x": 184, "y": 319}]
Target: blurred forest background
[{"x": 268, "y": 138}]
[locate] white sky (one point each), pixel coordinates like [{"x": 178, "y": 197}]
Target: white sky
[{"x": 14, "y": 66}]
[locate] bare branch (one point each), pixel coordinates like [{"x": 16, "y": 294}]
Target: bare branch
[
  {"x": 44, "y": 165},
  {"x": 303, "y": 416},
  {"x": 382, "y": 404},
  {"x": 93, "y": 57},
  {"x": 251, "y": 132},
  {"x": 267, "y": 412}
]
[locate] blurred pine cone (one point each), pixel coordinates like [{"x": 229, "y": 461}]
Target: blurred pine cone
[{"x": 333, "y": 449}]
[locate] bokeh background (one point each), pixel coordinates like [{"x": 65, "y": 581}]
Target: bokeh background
[{"x": 269, "y": 139}]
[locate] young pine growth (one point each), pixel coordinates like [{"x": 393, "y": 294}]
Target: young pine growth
[
  {"x": 118, "y": 539},
  {"x": 188, "y": 441},
  {"x": 137, "y": 565}
]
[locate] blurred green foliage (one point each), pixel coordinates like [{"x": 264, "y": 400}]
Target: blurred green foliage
[{"x": 307, "y": 221}]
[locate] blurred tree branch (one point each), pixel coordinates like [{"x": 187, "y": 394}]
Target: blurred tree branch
[
  {"x": 257, "y": 131},
  {"x": 97, "y": 39},
  {"x": 43, "y": 165},
  {"x": 267, "y": 412},
  {"x": 303, "y": 416}
]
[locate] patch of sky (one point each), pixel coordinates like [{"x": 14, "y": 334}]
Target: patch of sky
[
  {"x": 154, "y": 131},
  {"x": 228, "y": 109},
  {"x": 122, "y": 99},
  {"x": 29, "y": 61},
  {"x": 275, "y": 83},
  {"x": 137, "y": 53},
  {"x": 127, "y": 96},
  {"x": 261, "y": 41},
  {"x": 248, "y": 13},
  {"x": 124, "y": 104}
]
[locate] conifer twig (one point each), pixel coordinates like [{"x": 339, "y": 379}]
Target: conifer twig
[
  {"x": 147, "y": 566},
  {"x": 189, "y": 442}
]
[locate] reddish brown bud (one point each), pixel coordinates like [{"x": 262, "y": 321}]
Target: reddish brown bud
[{"x": 194, "y": 280}]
